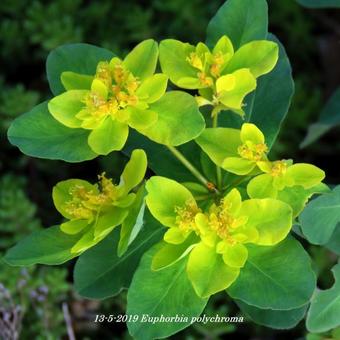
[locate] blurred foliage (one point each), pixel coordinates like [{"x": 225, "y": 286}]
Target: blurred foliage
[
  {"x": 14, "y": 100},
  {"x": 29, "y": 29},
  {"x": 17, "y": 212},
  {"x": 38, "y": 294}
]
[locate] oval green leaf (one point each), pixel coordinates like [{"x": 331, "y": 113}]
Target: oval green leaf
[
  {"x": 324, "y": 312},
  {"x": 277, "y": 319},
  {"x": 321, "y": 216},
  {"x": 179, "y": 119},
  {"x": 281, "y": 277},
  {"x": 166, "y": 292},
  {"x": 37, "y": 134},
  {"x": 242, "y": 21},
  {"x": 70, "y": 57},
  {"x": 48, "y": 246}
]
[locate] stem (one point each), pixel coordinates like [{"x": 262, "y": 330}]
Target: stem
[
  {"x": 68, "y": 322},
  {"x": 189, "y": 166},
  {"x": 218, "y": 169}
]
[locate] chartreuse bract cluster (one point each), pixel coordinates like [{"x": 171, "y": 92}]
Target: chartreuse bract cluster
[
  {"x": 201, "y": 206},
  {"x": 92, "y": 211},
  {"x": 119, "y": 95},
  {"x": 222, "y": 75}
]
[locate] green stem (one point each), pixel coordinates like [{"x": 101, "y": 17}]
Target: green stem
[
  {"x": 189, "y": 166},
  {"x": 218, "y": 169}
]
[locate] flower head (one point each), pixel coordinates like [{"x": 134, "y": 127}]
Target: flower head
[
  {"x": 120, "y": 94},
  {"x": 244, "y": 152},
  {"x": 215, "y": 238},
  {"x": 237, "y": 151},
  {"x": 292, "y": 183},
  {"x": 222, "y": 76},
  {"x": 93, "y": 210}
]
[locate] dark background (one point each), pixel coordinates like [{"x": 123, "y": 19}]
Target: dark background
[{"x": 28, "y": 31}]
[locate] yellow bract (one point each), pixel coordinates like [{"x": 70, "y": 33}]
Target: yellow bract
[
  {"x": 113, "y": 89},
  {"x": 185, "y": 219},
  {"x": 209, "y": 64},
  {"x": 252, "y": 151},
  {"x": 279, "y": 168},
  {"x": 85, "y": 203}
]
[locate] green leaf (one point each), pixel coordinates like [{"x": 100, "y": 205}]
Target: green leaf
[
  {"x": 272, "y": 218},
  {"x": 65, "y": 107},
  {"x": 142, "y": 60},
  {"x": 48, "y": 246},
  {"x": 259, "y": 57},
  {"x": 133, "y": 222},
  {"x": 297, "y": 197},
  {"x": 37, "y": 134},
  {"x": 219, "y": 143},
  {"x": 134, "y": 170},
  {"x": 321, "y": 216},
  {"x": 100, "y": 273},
  {"x": 324, "y": 312},
  {"x": 329, "y": 118},
  {"x": 111, "y": 135},
  {"x": 175, "y": 110},
  {"x": 267, "y": 106},
  {"x": 320, "y": 3},
  {"x": 277, "y": 319},
  {"x": 164, "y": 195},
  {"x": 173, "y": 59},
  {"x": 153, "y": 88},
  {"x": 141, "y": 119},
  {"x": 244, "y": 84},
  {"x": 169, "y": 254},
  {"x": 281, "y": 277},
  {"x": 207, "y": 271},
  {"x": 76, "y": 81},
  {"x": 167, "y": 292},
  {"x": 334, "y": 243},
  {"x": 71, "y": 58},
  {"x": 242, "y": 21}
]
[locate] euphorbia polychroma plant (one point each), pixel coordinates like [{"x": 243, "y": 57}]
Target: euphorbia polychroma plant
[{"x": 215, "y": 212}]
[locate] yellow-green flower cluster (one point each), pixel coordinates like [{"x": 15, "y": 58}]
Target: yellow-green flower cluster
[
  {"x": 216, "y": 238},
  {"x": 222, "y": 76},
  {"x": 117, "y": 96},
  {"x": 93, "y": 210}
]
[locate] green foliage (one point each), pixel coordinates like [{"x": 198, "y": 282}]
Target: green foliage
[
  {"x": 329, "y": 118},
  {"x": 334, "y": 242},
  {"x": 324, "y": 311},
  {"x": 321, "y": 216},
  {"x": 161, "y": 293},
  {"x": 17, "y": 212},
  {"x": 227, "y": 222},
  {"x": 47, "y": 138},
  {"x": 275, "y": 284},
  {"x": 264, "y": 103},
  {"x": 232, "y": 20},
  {"x": 13, "y": 102},
  {"x": 320, "y": 3},
  {"x": 95, "y": 274},
  {"x": 55, "y": 248},
  {"x": 278, "y": 319},
  {"x": 37, "y": 295}
]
